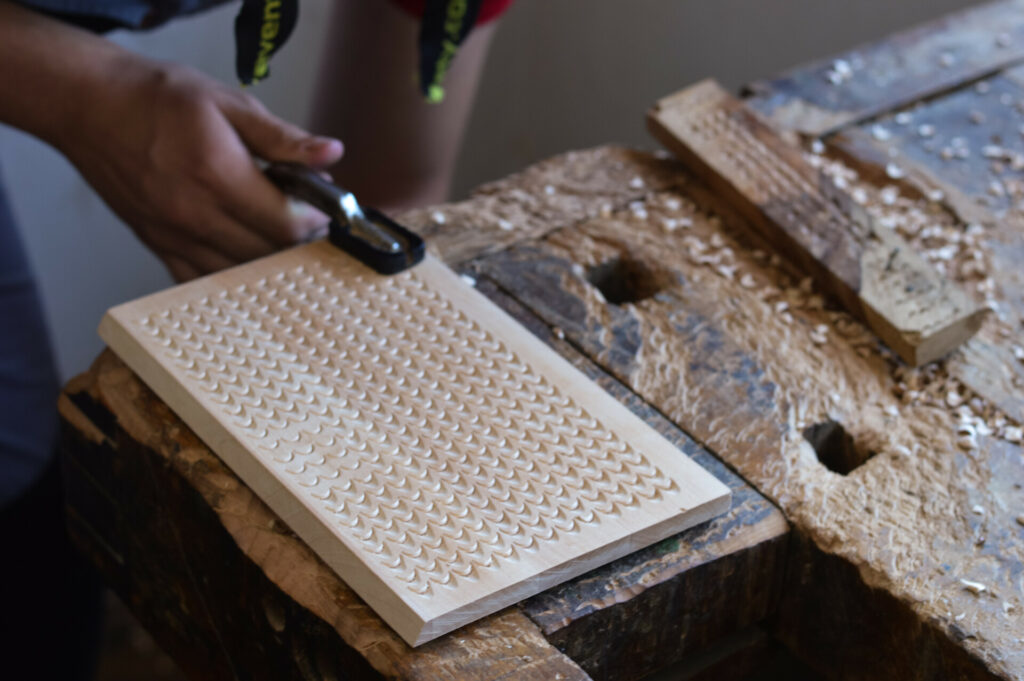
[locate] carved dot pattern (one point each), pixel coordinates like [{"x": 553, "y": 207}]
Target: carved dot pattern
[
  {"x": 789, "y": 197},
  {"x": 427, "y": 442}
]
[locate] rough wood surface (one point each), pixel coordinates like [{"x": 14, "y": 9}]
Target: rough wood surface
[
  {"x": 719, "y": 338},
  {"x": 222, "y": 583},
  {"x": 134, "y": 460},
  {"x": 951, "y": 167},
  {"x": 823, "y": 96},
  {"x": 870, "y": 269},
  {"x": 440, "y": 458},
  {"x": 551, "y": 194},
  {"x": 985, "y": 363},
  {"x": 965, "y": 149},
  {"x": 884, "y": 575}
]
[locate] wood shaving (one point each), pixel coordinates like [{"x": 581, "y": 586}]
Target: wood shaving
[
  {"x": 880, "y": 133},
  {"x": 976, "y": 588}
]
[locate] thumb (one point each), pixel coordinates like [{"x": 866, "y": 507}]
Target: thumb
[{"x": 273, "y": 139}]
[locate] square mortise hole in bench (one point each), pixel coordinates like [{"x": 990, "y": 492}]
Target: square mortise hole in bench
[
  {"x": 839, "y": 451},
  {"x": 625, "y": 279}
]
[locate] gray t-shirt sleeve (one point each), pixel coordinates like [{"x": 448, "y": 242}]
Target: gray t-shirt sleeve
[{"x": 120, "y": 13}]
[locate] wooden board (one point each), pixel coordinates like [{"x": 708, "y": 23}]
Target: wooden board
[
  {"x": 872, "y": 271},
  {"x": 821, "y": 97},
  {"x": 442, "y": 460},
  {"x": 986, "y": 363}
]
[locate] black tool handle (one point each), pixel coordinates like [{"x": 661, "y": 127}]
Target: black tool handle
[{"x": 307, "y": 184}]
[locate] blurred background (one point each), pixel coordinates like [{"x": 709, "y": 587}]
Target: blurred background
[{"x": 561, "y": 75}]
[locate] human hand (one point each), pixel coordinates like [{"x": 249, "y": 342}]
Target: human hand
[{"x": 171, "y": 151}]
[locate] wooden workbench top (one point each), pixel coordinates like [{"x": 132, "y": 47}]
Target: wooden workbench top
[
  {"x": 903, "y": 488},
  {"x": 140, "y": 481}
]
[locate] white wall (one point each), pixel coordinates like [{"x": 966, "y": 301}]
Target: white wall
[{"x": 563, "y": 74}]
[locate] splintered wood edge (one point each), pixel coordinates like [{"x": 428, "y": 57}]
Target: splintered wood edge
[
  {"x": 412, "y": 625},
  {"x": 917, "y": 349},
  {"x": 950, "y": 316}
]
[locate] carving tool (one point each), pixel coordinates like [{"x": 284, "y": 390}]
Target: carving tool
[{"x": 365, "y": 233}]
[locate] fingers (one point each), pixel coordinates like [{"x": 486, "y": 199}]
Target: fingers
[
  {"x": 180, "y": 270},
  {"x": 197, "y": 218},
  {"x": 206, "y": 260},
  {"x": 171, "y": 243},
  {"x": 318, "y": 221},
  {"x": 183, "y": 174},
  {"x": 273, "y": 139},
  {"x": 248, "y": 196},
  {"x": 253, "y": 200},
  {"x": 232, "y": 237}
]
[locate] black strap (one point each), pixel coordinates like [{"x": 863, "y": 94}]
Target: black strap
[
  {"x": 261, "y": 27},
  {"x": 446, "y": 23}
]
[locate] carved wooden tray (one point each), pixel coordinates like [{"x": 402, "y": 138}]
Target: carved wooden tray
[{"x": 440, "y": 458}]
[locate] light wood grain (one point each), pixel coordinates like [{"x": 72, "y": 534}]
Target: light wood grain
[
  {"x": 436, "y": 455},
  {"x": 917, "y": 312}
]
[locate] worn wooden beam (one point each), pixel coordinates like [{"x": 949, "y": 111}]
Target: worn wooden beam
[
  {"x": 881, "y": 637},
  {"x": 129, "y": 460},
  {"x": 723, "y": 342},
  {"x": 965, "y": 149},
  {"x": 874, "y": 161},
  {"x": 751, "y": 655},
  {"x": 872, "y": 271},
  {"x": 823, "y": 96},
  {"x": 985, "y": 363}
]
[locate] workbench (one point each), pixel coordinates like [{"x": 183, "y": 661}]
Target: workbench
[{"x": 900, "y": 557}]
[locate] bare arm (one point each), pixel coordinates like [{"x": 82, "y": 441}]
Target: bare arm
[
  {"x": 400, "y": 151},
  {"x": 170, "y": 150}
]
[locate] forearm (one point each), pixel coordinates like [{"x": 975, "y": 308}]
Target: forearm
[
  {"x": 51, "y": 72},
  {"x": 400, "y": 150},
  {"x": 170, "y": 150}
]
